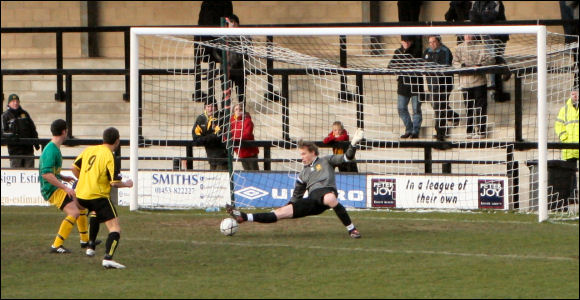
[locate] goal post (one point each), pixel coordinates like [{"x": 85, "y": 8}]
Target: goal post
[
  {"x": 319, "y": 69},
  {"x": 542, "y": 125}
]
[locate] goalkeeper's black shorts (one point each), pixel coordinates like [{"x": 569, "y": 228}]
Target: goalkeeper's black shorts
[
  {"x": 103, "y": 207},
  {"x": 313, "y": 205}
]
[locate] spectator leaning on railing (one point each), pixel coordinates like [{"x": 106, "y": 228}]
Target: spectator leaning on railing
[{"x": 207, "y": 132}]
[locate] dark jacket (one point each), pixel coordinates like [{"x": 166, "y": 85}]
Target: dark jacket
[
  {"x": 212, "y": 10},
  {"x": 207, "y": 132},
  {"x": 441, "y": 56},
  {"x": 569, "y": 11},
  {"x": 458, "y": 11},
  {"x": 487, "y": 12},
  {"x": 210, "y": 14},
  {"x": 403, "y": 59},
  {"x": 18, "y": 124},
  {"x": 409, "y": 11}
]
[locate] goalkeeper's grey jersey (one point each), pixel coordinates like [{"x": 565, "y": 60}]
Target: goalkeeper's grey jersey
[{"x": 320, "y": 173}]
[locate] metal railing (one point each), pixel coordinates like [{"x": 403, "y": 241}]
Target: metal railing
[{"x": 59, "y": 71}]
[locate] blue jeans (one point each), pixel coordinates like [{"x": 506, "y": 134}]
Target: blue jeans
[{"x": 402, "y": 105}]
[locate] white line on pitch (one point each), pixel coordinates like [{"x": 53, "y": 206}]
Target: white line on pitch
[{"x": 375, "y": 250}]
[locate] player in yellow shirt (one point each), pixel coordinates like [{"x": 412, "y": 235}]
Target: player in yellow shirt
[
  {"x": 56, "y": 192},
  {"x": 96, "y": 173}
]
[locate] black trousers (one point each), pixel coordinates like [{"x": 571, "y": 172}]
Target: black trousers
[
  {"x": 443, "y": 112},
  {"x": 475, "y": 99}
]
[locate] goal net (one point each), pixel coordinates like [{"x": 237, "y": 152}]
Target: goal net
[{"x": 439, "y": 132}]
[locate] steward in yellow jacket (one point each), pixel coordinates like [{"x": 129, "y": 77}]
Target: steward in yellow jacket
[{"x": 566, "y": 126}]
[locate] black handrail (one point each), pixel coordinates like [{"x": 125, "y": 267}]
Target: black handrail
[
  {"x": 428, "y": 146},
  {"x": 520, "y": 146}
]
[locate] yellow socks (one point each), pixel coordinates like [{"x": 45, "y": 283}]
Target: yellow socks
[
  {"x": 64, "y": 231},
  {"x": 83, "y": 225}
]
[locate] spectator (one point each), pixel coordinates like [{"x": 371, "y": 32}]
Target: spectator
[
  {"x": 567, "y": 129},
  {"x": 408, "y": 87},
  {"x": 236, "y": 60},
  {"x": 569, "y": 11},
  {"x": 409, "y": 11},
  {"x": 242, "y": 129},
  {"x": 206, "y": 132},
  {"x": 458, "y": 12},
  {"x": 487, "y": 12},
  {"x": 16, "y": 123},
  {"x": 339, "y": 134},
  {"x": 473, "y": 53},
  {"x": 210, "y": 14},
  {"x": 440, "y": 86}
]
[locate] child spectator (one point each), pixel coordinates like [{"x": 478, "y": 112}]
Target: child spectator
[{"x": 339, "y": 134}]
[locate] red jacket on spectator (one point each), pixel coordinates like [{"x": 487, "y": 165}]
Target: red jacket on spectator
[
  {"x": 331, "y": 138},
  {"x": 243, "y": 130}
]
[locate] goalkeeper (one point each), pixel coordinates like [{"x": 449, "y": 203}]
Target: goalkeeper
[{"x": 318, "y": 178}]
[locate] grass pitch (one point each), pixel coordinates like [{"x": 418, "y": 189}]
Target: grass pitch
[{"x": 182, "y": 254}]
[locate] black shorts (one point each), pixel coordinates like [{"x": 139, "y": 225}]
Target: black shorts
[
  {"x": 66, "y": 201},
  {"x": 313, "y": 205},
  {"x": 103, "y": 207}
]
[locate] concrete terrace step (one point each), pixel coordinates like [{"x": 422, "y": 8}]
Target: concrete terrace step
[{"x": 68, "y": 63}]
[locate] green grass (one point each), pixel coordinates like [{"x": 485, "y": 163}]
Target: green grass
[{"x": 182, "y": 254}]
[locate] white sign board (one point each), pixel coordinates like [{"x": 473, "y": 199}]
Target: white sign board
[
  {"x": 437, "y": 191},
  {"x": 168, "y": 189},
  {"x": 21, "y": 188}
]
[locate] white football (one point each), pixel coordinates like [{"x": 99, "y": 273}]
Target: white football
[{"x": 229, "y": 226}]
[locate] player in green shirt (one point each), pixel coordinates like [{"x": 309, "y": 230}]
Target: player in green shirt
[{"x": 57, "y": 193}]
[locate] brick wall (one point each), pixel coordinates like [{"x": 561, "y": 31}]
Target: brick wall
[
  {"x": 39, "y": 14},
  {"x": 152, "y": 13}
]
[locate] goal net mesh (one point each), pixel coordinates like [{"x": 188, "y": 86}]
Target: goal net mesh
[{"x": 434, "y": 137}]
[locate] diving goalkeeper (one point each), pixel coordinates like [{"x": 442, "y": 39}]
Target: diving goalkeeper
[{"x": 318, "y": 178}]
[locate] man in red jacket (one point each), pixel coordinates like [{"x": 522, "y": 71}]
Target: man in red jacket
[{"x": 242, "y": 129}]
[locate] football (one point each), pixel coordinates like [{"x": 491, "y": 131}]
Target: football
[{"x": 229, "y": 226}]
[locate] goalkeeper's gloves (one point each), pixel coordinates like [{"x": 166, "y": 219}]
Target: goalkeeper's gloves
[{"x": 357, "y": 137}]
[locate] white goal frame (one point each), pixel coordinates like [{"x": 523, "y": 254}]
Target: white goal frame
[{"x": 539, "y": 30}]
